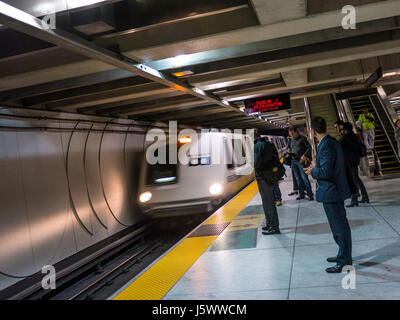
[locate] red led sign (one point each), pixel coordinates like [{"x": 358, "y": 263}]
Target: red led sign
[{"x": 267, "y": 104}]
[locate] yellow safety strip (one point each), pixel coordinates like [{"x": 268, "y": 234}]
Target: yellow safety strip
[
  {"x": 162, "y": 276},
  {"x": 229, "y": 211},
  {"x": 155, "y": 283}
]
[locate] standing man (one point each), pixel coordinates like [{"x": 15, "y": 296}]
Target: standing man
[
  {"x": 351, "y": 152},
  {"x": 264, "y": 153},
  {"x": 277, "y": 195},
  {"x": 295, "y": 186},
  {"x": 332, "y": 190},
  {"x": 337, "y": 125},
  {"x": 367, "y": 124},
  {"x": 300, "y": 148}
]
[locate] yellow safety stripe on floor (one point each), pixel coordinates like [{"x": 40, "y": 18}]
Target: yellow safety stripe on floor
[
  {"x": 229, "y": 211},
  {"x": 163, "y": 275}
]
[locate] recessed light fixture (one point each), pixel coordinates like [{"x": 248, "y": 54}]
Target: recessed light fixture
[
  {"x": 182, "y": 73},
  {"x": 391, "y": 74}
]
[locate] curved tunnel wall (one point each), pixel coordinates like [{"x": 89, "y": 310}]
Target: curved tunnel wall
[{"x": 62, "y": 191}]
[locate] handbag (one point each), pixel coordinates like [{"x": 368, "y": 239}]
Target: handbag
[{"x": 287, "y": 159}]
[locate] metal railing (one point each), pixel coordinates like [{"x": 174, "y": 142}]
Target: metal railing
[
  {"x": 309, "y": 132},
  {"x": 383, "y": 125}
]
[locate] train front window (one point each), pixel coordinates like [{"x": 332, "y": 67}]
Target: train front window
[{"x": 161, "y": 174}]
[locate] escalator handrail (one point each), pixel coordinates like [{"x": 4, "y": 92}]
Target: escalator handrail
[{"x": 384, "y": 129}]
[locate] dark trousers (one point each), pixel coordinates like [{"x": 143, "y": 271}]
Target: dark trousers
[
  {"x": 360, "y": 184},
  {"x": 355, "y": 184},
  {"x": 267, "y": 197},
  {"x": 295, "y": 185},
  {"x": 302, "y": 178},
  {"x": 340, "y": 228},
  {"x": 277, "y": 193}
]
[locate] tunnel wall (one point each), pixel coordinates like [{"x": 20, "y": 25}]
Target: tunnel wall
[{"x": 63, "y": 187}]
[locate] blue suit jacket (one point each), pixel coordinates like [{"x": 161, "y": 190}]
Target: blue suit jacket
[{"x": 332, "y": 185}]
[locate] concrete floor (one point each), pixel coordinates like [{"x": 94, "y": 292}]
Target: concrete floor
[{"x": 292, "y": 265}]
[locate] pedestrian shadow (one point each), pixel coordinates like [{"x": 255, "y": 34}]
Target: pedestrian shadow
[
  {"x": 323, "y": 228},
  {"x": 386, "y": 203},
  {"x": 376, "y": 261}
]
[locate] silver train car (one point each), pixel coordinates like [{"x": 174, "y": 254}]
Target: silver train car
[{"x": 218, "y": 166}]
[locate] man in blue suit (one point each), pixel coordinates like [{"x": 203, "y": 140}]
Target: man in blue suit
[{"x": 332, "y": 190}]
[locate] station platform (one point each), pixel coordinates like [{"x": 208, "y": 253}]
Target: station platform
[{"x": 227, "y": 257}]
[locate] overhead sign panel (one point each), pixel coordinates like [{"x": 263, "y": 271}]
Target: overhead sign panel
[{"x": 267, "y": 104}]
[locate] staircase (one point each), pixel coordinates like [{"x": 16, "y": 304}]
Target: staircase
[
  {"x": 383, "y": 148},
  {"x": 324, "y": 106}
]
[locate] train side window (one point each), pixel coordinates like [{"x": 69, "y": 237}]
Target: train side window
[
  {"x": 240, "y": 152},
  {"x": 282, "y": 143},
  {"x": 276, "y": 143},
  {"x": 228, "y": 155}
]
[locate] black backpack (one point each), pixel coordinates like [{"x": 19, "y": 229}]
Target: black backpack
[{"x": 272, "y": 171}]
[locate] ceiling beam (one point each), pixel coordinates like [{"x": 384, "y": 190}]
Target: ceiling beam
[
  {"x": 192, "y": 113},
  {"x": 318, "y": 22},
  {"x": 301, "y": 62},
  {"x": 23, "y": 22},
  {"x": 65, "y": 84},
  {"x": 148, "y": 89},
  {"x": 134, "y": 112},
  {"x": 112, "y": 106}
]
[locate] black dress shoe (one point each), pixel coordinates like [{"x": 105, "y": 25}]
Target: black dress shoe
[
  {"x": 364, "y": 200},
  {"x": 336, "y": 269},
  {"x": 311, "y": 198},
  {"x": 293, "y": 193},
  {"x": 300, "y": 197},
  {"x": 332, "y": 259},
  {"x": 266, "y": 228},
  {"x": 271, "y": 231}
]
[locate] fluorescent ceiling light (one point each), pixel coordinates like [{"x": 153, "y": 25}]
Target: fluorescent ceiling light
[
  {"x": 391, "y": 74},
  {"x": 72, "y": 4},
  {"x": 180, "y": 61},
  {"x": 166, "y": 179}
]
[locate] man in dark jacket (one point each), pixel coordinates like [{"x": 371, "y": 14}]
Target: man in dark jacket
[
  {"x": 264, "y": 153},
  {"x": 351, "y": 151},
  {"x": 332, "y": 190},
  {"x": 300, "y": 148}
]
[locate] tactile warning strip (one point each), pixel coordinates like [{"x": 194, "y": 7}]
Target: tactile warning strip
[
  {"x": 209, "y": 230},
  {"x": 156, "y": 281}
]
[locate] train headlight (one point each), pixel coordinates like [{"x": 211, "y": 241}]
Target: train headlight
[
  {"x": 145, "y": 196},
  {"x": 216, "y": 189}
]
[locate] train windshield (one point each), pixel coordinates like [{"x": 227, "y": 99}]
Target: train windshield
[{"x": 161, "y": 174}]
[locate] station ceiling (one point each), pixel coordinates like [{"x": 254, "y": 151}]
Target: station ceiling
[{"x": 191, "y": 61}]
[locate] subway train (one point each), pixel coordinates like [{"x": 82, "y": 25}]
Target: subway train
[{"x": 215, "y": 166}]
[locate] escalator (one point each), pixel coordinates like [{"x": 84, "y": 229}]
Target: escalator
[
  {"x": 384, "y": 133},
  {"x": 324, "y": 106}
]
